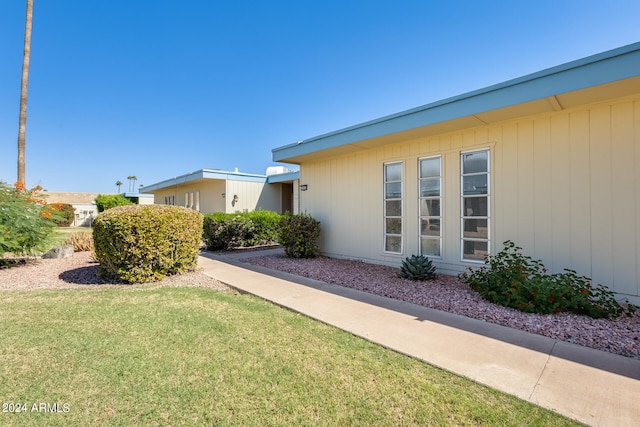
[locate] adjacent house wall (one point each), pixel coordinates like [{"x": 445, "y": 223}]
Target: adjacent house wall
[{"x": 565, "y": 186}]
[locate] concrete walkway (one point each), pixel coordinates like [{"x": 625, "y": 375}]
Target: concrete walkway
[{"x": 591, "y": 386}]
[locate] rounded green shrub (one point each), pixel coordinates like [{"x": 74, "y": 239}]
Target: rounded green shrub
[
  {"x": 144, "y": 243},
  {"x": 108, "y": 201},
  {"x": 299, "y": 235},
  {"x": 227, "y": 231}
]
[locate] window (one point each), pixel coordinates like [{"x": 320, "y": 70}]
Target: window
[
  {"x": 430, "y": 188},
  {"x": 475, "y": 214},
  {"x": 393, "y": 207}
]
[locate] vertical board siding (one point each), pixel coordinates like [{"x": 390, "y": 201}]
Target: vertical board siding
[{"x": 565, "y": 187}]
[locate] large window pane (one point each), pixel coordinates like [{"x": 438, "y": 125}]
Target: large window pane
[
  {"x": 476, "y": 228},
  {"x": 430, "y": 207},
  {"x": 430, "y": 167},
  {"x": 393, "y": 208},
  {"x": 430, "y": 227},
  {"x": 475, "y": 250},
  {"x": 393, "y": 244},
  {"x": 393, "y": 190},
  {"x": 393, "y": 172},
  {"x": 475, "y": 206},
  {"x": 475, "y": 162},
  {"x": 430, "y": 247},
  {"x": 475, "y": 184},
  {"x": 394, "y": 225},
  {"x": 430, "y": 187}
]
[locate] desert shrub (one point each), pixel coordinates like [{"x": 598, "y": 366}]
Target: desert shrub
[
  {"x": 62, "y": 214},
  {"x": 514, "y": 280},
  {"x": 24, "y": 227},
  {"x": 81, "y": 242},
  {"x": 267, "y": 226},
  {"x": 299, "y": 235},
  {"x": 417, "y": 268},
  {"x": 108, "y": 201},
  {"x": 224, "y": 231},
  {"x": 145, "y": 243}
]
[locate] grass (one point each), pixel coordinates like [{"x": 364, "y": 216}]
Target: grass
[{"x": 193, "y": 356}]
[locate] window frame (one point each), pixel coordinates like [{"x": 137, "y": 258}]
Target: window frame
[
  {"x": 400, "y": 199},
  {"x": 439, "y": 198},
  {"x": 464, "y": 216}
]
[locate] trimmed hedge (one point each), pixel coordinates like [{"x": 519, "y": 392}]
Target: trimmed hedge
[
  {"x": 62, "y": 214},
  {"x": 144, "y": 243},
  {"x": 299, "y": 235},
  {"x": 222, "y": 231}
]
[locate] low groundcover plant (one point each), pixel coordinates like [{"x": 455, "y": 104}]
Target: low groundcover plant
[{"x": 514, "y": 280}]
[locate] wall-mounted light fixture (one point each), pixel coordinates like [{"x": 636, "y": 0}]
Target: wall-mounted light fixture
[
  {"x": 304, "y": 187},
  {"x": 235, "y": 200},
  {"x": 224, "y": 195}
]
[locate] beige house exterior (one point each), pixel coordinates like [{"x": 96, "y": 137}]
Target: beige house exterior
[
  {"x": 550, "y": 161},
  {"x": 214, "y": 190}
]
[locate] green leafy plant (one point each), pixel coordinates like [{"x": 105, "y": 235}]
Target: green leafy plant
[
  {"x": 144, "y": 243},
  {"x": 227, "y": 232},
  {"x": 224, "y": 231},
  {"x": 25, "y": 228},
  {"x": 62, "y": 214},
  {"x": 108, "y": 201},
  {"x": 417, "y": 268},
  {"x": 299, "y": 235},
  {"x": 514, "y": 280}
]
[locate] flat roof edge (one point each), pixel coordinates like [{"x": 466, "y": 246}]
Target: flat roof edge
[{"x": 601, "y": 68}]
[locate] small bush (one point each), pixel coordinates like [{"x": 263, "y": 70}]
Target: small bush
[
  {"x": 517, "y": 281},
  {"x": 267, "y": 227},
  {"x": 24, "y": 227},
  {"x": 81, "y": 242},
  {"x": 224, "y": 231},
  {"x": 227, "y": 232},
  {"x": 145, "y": 243},
  {"x": 108, "y": 201},
  {"x": 299, "y": 235},
  {"x": 62, "y": 214},
  {"x": 417, "y": 268}
]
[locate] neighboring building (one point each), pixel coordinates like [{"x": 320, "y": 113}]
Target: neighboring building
[
  {"x": 85, "y": 206},
  {"x": 550, "y": 161},
  {"x": 214, "y": 190},
  {"x": 83, "y": 203}
]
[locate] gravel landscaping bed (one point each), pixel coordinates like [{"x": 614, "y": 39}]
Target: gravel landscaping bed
[
  {"x": 80, "y": 271},
  {"x": 448, "y": 293}
]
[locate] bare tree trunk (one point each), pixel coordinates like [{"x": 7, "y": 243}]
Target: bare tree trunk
[{"x": 23, "y": 92}]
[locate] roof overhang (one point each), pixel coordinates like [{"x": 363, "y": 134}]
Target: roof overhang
[
  {"x": 596, "y": 78},
  {"x": 203, "y": 175}
]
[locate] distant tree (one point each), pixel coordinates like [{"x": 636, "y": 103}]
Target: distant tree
[
  {"x": 118, "y": 184},
  {"x": 132, "y": 182},
  {"x": 22, "y": 125}
]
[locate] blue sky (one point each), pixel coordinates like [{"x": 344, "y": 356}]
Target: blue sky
[{"x": 159, "y": 89}]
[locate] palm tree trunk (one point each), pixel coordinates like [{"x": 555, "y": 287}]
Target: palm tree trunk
[{"x": 22, "y": 126}]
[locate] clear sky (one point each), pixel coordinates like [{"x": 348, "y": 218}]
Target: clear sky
[{"x": 161, "y": 88}]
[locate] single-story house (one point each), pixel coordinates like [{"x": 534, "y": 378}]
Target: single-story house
[
  {"x": 550, "y": 161},
  {"x": 215, "y": 190}
]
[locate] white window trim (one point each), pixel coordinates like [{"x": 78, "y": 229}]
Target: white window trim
[
  {"x": 462, "y": 214},
  {"x": 384, "y": 209},
  {"x": 442, "y": 216}
]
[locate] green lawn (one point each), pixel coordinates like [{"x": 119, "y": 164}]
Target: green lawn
[{"x": 193, "y": 356}]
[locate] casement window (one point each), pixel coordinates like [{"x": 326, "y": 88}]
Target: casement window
[
  {"x": 475, "y": 213},
  {"x": 393, "y": 207},
  {"x": 430, "y": 188}
]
